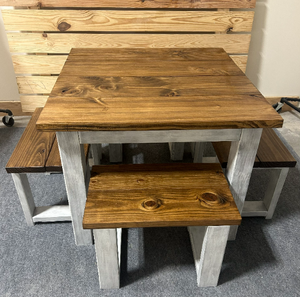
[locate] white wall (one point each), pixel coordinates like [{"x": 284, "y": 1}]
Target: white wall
[
  {"x": 274, "y": 57},
  {"x": 8, "y": 84}
]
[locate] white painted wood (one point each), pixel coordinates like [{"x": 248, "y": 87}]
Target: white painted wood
[
  {"x": 74, "y": 168},
  {"x": 176, "y": 150},
  {"x": 25, "y": 196},
  {"x": 278, "y": 177},
  {"x": 159, "y": 136},
  {"x": 55, "y": 213},
  {"x": 115, "y": 153},
  {"x": 106, "y": 246},
  {"x": 239, "y": 168},
  {"x": 198, "y": 148},
  {"x": 96, "y": 150},
  {"x": 210, "y": 159},
  {"x": 254, "y": 209},
  {"x": 208, "y": 244},
  {"x": 119, "y": 242}
]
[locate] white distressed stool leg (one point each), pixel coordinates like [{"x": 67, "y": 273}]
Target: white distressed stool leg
[
  {"x": 108, "y": 254},
  {"x": 115, "y": 153},
  {"x": 197, "y": 151},
  {"x": 96, "y": 153},
  {"x": 176, "y": 150},
  {"x": 208, "y": 244},
  {"x": 239, "y": 168},
  {"x": 25, "y": 196},
  {"x": 278, "y": 177}
]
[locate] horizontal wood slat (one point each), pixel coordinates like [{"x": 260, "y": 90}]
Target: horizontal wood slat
[
  {"x": 127, "y": 21},
  {"x": 24, "y": 64},
  {"x": 30, "y": 103},
  {"x": 63, "y": 43},
  {"x": 132, "y": 3},
  {"x": 36, "y": 84},
  {"x": 52, "y": 64}
]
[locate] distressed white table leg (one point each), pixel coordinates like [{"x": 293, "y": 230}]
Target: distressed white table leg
[
  {"x": 176, "y": 150},
  {"x": 108, "y": 247},
  {"x": 239, "y": 168},
  {"x": 115, "y": 152},
  {"x": 96, "y": 153},
  {"x": 74, "y": 169},
  {"x": 278, "y": 177},
  {"x": 208, "y": 244},
  {"x": 25, "y": 196},
  {"x": 198, "y": 151}
]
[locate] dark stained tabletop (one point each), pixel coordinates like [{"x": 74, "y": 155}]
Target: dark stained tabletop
[{"x": 154, "y": 89}]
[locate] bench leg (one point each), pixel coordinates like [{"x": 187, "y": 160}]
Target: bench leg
[
  {"x": 74, "y": 169},
  {"x": 176, "y": 150},
  {"x": 115, "y": 153},
  {"x": 197, "y": 151},
  {"x": 108, "y": 254},
  {"x": 96, "y": 153},
  {"x": 278, "y": 177},
  {"x": 239, "y": 169},
  {"x": 25, "y": 196},
  {"x": 208, "y": 244}
]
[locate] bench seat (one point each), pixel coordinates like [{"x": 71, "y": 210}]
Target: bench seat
[{"x": 160, "y": 195}]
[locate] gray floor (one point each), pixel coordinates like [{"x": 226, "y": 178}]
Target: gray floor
[{"x": 44, "y": 261}]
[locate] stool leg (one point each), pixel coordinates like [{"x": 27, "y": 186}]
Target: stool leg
[
  {"x": 197, "y": 151},
  {"x": 115, "y": 153},
  {"x": 96, "y": 153},
  {"x": 208, "y": 244},
  {"x": 176, "y": 150},
  {"x": 108, "y": 253},
  {"x": 278, "y": 177},
  {"x": 25, "y": 196}
]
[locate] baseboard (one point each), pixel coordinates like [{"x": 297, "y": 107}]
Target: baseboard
[{"x": 15, "y": 107}]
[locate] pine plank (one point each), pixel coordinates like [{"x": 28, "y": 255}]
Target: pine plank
[
  {"x": 127, "y": 21},
  {"x": 35, "y": 84},
  {"x": 240, "y": 60},
  {"x": 63, "y": 43},
  {"x": 159, "y": 195},
  {"x": 32, "y": 150},
  {"x": 30, "y": 103},
  {"x": 131, "y": 3},
  {"x": 25, "y": 64}
]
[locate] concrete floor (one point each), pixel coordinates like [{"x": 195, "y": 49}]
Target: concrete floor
[{"x": 290, "y": 130}]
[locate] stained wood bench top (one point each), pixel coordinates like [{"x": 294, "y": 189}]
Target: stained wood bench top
[
  {"x": 154, "y": 89},
  {"x": 36, "y": 151},
  {"x": 159, "y": 195},
  {"x": 271, "y": 152}
]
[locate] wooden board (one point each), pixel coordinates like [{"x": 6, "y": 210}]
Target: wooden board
[
  {"x": 31, "y": 152},
  {"x": 240, "y": 60},
  {"x": 15, "y": 107},
  {"x": 35, "y": 84},
  {"x": 131, "y": 3},
  {"x": 24, "y": 64},
  {"x": 272, "y": 152},
  {"x": 127, "y": 21},
  {"x": 159, "y": 195},
  {"x": 63, "y": 43},
  {"x": 30, "y": 103}
]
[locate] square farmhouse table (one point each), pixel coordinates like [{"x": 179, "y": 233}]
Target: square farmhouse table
[{"x": 153, "y": 96}]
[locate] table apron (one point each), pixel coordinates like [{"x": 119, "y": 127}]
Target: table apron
[{"x": 159, "y": 136}]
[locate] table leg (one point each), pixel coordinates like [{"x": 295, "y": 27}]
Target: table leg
[
  {"x": 74, "y": 167},
  {"x": 240, "y": 164}
]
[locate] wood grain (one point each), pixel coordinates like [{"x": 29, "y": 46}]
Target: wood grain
[
  {"x": 159, "y": 195},
  {"x": 24, "y": 64},
  {"x": 63, "y": 43},
  {"x": 271, "y": 152},
  {"x": 35, "y": 84},
  {"x": 240, "y": 60},
  {"x": 32, "y": 150},
  {"x": 127, "y": 21},
  {"x": 30, "y": 103},
  {"x": 132, "y": 3}
]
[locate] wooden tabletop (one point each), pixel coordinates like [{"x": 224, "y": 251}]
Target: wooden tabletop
[{"x": 154, "y": 89}]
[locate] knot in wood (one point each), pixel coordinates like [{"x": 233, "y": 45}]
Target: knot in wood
[
  {"x": 209, "y": 199},
  {"x": 63, "y": 26},
  {"x": 151, "y": 204}
]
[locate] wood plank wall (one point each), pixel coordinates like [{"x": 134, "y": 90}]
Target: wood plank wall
[{"x": 41, "y": 33}]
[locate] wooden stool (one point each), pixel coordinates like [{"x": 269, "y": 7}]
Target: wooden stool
[
  {"x": 160, "y": 195},
  {"x": 37, "y": 152}
]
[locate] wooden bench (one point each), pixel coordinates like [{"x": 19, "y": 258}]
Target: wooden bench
[
  {"x": 272, "y": 155},
  {"x": 36, "y": 152},
  {"x": 160, "y": 195}
]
